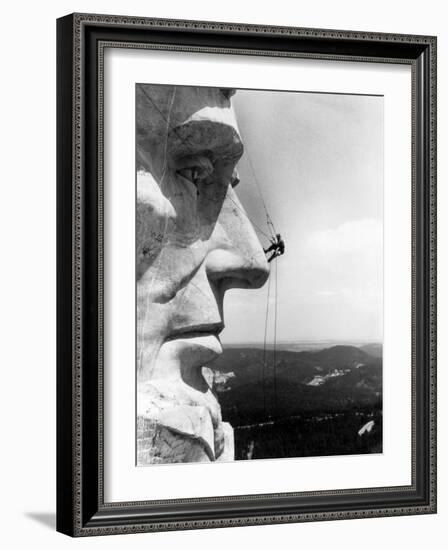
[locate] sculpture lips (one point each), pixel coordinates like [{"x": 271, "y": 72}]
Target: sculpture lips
[
  {"x": 194, "y": 348},
  {"x": 196, "y": 330}
]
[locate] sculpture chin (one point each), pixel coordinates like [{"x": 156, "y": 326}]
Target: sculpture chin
[{"x": 179, "y": 420}]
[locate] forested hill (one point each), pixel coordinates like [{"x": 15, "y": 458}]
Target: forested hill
[
  {"x": 329, "y": 380},
  {"x": 311, "y": 403}
]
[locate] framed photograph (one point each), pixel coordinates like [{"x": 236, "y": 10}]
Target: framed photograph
[{"x": 246, "y": 274}]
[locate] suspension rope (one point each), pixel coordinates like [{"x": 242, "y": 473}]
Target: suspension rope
[
  {"x": 265, "y": 341},
  {"x": 275, "y": 341},
  {"x": 268, "y": 217},
  {"x": 271, "y": 225},
  {"x": 257, "y": 227}
]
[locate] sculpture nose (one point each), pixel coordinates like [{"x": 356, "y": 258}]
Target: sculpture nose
[{"x": 236, "y": 258}]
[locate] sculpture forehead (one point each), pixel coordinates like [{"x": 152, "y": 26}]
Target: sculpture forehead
[{"x": 160, "y": 107}]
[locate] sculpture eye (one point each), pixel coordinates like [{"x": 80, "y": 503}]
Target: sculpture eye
[
  {"x": 190, "y": 174},
  {"x": 194, "y": 169}
]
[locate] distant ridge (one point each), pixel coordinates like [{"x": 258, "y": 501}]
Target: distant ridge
[{"x": 372, "y": 348}]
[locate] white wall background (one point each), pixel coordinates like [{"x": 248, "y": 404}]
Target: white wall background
[{"x": 27, "y": 218}]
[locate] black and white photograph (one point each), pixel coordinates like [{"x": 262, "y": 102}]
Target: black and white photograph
[{"x": 259, "y": 274}]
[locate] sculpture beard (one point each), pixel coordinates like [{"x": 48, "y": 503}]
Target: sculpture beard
[{"x": 194, "y": 242}]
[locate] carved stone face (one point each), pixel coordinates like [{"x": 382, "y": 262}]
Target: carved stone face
[{"x": 194, "y": 242}]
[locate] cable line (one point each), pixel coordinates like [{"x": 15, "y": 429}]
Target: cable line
[
  {"x": 275, "y": 341},
  {"x": 265, "y": 341},
  {"x": 268, "y": 217},
  {"x": 257, "y": 227}
]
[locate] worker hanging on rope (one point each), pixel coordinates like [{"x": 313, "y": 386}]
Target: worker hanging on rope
[{"x": 277, "y": 247}]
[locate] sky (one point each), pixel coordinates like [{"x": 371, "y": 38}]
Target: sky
[{"x": 318, "y": 161}]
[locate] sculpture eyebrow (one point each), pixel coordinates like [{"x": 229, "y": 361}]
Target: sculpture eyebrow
[
  {"x": 188, "y": 139},
  {"x": 176, "y": 130}
]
